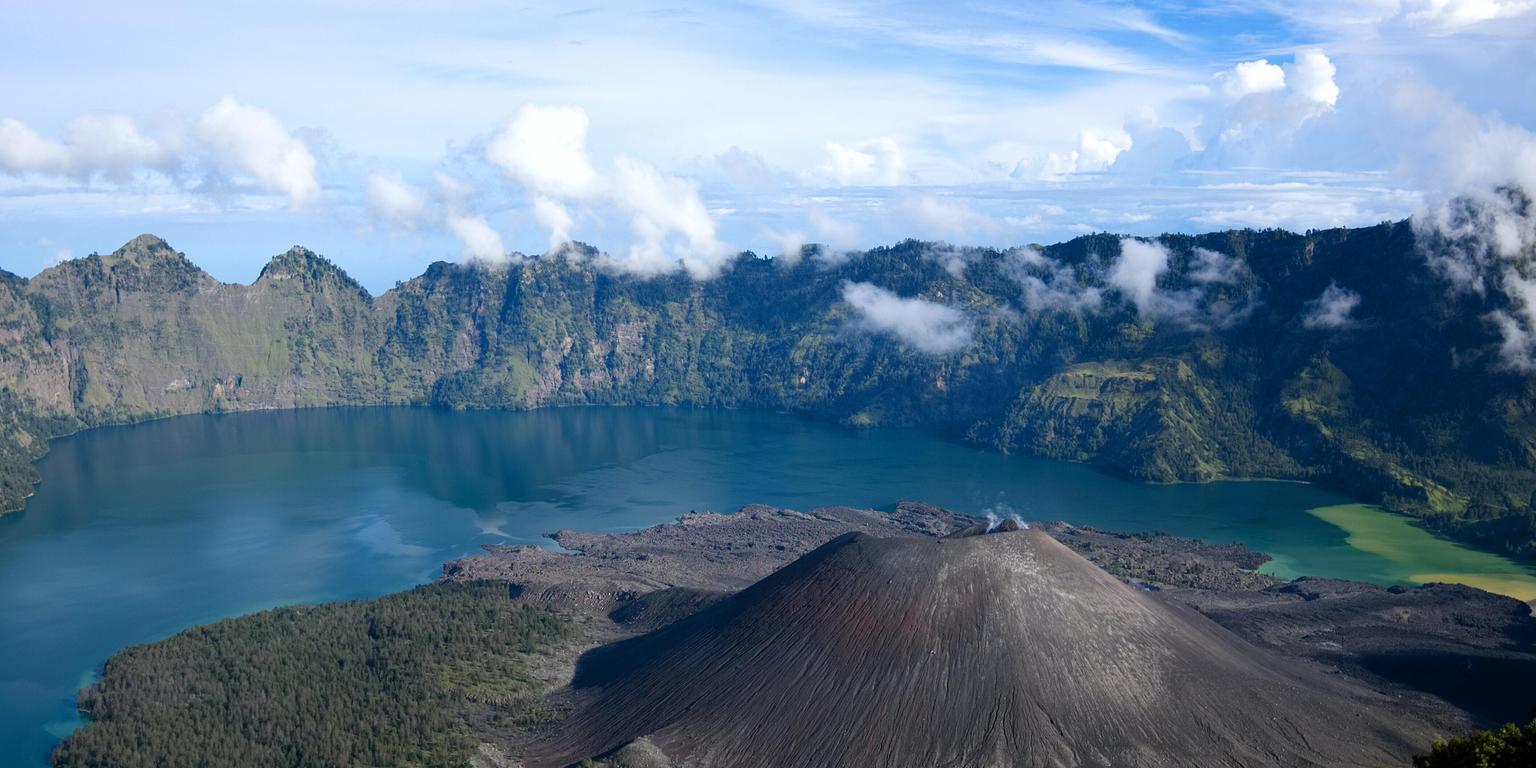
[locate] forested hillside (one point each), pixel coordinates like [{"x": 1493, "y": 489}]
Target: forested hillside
[
  {"x": 403, "y": 680},
  {"x": 1338, "y": 356}
]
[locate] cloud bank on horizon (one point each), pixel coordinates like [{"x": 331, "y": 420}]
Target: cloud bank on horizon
[{"x": 673, "y": 138}]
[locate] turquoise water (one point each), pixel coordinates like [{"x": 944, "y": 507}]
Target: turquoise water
[{"x": 137, "y": 532}]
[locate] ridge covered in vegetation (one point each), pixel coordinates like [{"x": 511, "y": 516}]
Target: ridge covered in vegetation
[
  {"x": 1225, "y": 363},
  {"x": 403, "y": 680}
]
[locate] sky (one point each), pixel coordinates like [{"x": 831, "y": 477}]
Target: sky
[{"x": 388, "y": 135}]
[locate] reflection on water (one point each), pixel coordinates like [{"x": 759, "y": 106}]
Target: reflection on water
[{"x": 137, "y": 532}]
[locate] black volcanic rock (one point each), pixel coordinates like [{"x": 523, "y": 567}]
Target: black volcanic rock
[{"x": 1000, "y": 649}]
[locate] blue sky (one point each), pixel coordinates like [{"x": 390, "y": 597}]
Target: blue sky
[{"x": 390, "y": 135}]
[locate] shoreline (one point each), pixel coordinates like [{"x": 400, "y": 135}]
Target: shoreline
[
  {"x": 626, "y": 584},
  {"x": 946, "y": 433}
]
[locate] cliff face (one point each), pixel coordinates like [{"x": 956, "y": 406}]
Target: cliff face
[{"x": 1222, "y": 378}]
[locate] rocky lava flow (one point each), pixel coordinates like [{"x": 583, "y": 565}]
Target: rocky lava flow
[
  {"x": 896, "y": 644},
  {"x": 999, "y": 649}
]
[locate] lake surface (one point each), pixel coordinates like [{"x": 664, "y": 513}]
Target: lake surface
[{"x": 138, "y": 532}]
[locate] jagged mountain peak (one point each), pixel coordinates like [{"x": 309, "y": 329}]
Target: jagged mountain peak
[
  {"x": 307, "y": 267},
  {"x": 146, "y": 243},
  {"x": 148, "y": 248},
  {"x": 146, "y": 263}
]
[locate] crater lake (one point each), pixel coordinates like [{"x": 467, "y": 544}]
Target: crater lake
[{"x": 140, "y": 531}]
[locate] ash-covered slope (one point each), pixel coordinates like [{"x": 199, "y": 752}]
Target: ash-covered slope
[{"x": 1001, "y": 649}]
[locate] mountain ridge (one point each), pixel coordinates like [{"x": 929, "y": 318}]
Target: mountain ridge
[{"x": 1210, "y": 371}]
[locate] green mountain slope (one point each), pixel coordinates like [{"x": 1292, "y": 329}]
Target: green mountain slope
[{"x": 1215, "y": 374}]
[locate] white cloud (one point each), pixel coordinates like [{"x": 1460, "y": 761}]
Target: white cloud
[
  {"x": 1451, "y": 15},
  {"x": 836, "y": 233},
  {"x": 1332, "y": 309},
  {"x": 931, "y": 216},
  {"x": 670, "y": 221},
  {"x": 545, "y": 150},
  {"x": 790, "y": 245},
  {"x": 110, "y": 146},
  {"x": 876, "y": 161},
  {"x": 1251, "y": 77},
  {"x": 1135, "y": 273},
  {"x": 748, "y": 171},
  {"x": 1209, "y": 266},
  {"x": 250, "y": 140},
  {"x": 1312, "y": 78},
  {"x": 1266, "y": 104},
  {"x": 1095, "y": 151},
  {"x": 1375, "y": 18},
  {"x": 23, "y": 151},
  {"x": 390, "y": 199},
  {"x": 1479, "y": 231},
  {"x": 927, "y": 326},
  {"x": 1049, "y": 285},
  {"x": 481, "y": 242},
  {"x": 555, "y": 217}
]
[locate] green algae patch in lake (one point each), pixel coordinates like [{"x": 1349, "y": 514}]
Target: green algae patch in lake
[{"x": 1413, "y": 555}]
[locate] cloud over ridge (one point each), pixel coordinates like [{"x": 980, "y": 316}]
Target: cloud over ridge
[{"x": 926, "y": 326}]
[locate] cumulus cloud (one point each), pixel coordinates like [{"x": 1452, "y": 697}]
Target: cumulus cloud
[
  {"x": 875, "y": 161},
  {"x": 23, "y": 151},
  {"x": 249, "y": 140},
  {"x": 544, "y": 150},
  {"x": 1250, "y": 116},
  {"x": 229, "y": 140},
  {"x": 1251, "y": 77},
  {"x": 110, "y": 146},
  {"x": 1245, "y": 116},
  {"x": 1334, "y": 308},
  {"x": 481, "y": 242},
  {"x": 393, "y": 201},
  {"x": 1312, "y": 78},
  {"x": 663, "y": 206},
  {"x": 1095, "y": 151},
  {"x": 926, "y": 326},
  {"x": 1265, "y": 104}
]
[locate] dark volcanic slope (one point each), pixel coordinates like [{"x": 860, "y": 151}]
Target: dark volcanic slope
[{"x": 1003, "y": 649}]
